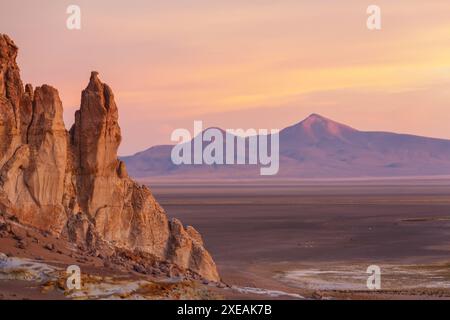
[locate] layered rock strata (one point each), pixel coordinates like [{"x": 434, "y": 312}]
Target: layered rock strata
[{"x": 71, "y": 184}]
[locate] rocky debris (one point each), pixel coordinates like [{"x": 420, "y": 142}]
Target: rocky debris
[
  {"x": 48, "y": 280},
  {"x": 3, "y": 257},
  {"x": 5, "y": 228},
  {"x": 49, "y": 247},
  {"x": 22, "y": 244},
  {"x": 17, "y": 237},
  {"x": 71, "y": 184},
  {"x": 139, "y": 269}
]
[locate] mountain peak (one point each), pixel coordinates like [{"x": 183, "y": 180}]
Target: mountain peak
[
  {"x": 94, "y": 83},
  {"x": 317, "y": 128},
  {"x": 314, "y": 117},
  {"x": 322, "y": 123}
]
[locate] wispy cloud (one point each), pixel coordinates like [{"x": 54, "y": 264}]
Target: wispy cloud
[{"x": 174, "y": 61}]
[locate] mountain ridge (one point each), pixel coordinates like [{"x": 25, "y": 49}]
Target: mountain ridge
[{"x": 318, "y": 147}]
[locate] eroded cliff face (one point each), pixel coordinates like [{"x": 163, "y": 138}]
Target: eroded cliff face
[{"x": 71, "y": 184}]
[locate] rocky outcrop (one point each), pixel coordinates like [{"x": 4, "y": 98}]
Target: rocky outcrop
[{"x": 72, "y": 184}]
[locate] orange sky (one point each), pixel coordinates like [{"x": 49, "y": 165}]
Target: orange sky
[{"x": 248, "y": 64}]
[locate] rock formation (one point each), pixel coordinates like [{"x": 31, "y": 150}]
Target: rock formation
[{"x": 71, "y": 184}]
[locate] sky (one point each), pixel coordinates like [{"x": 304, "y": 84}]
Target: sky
[{"x": 243, "y": 64}]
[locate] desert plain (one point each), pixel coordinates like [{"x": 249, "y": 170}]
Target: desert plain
[{"x": 315, "y": 239}]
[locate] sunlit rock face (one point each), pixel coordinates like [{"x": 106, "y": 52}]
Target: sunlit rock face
[{"x": 72, "y": 184}]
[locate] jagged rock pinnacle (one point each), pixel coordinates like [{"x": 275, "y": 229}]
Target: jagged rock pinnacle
[{"x": 72, "y": 184}]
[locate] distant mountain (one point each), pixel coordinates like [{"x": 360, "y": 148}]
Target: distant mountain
[{"x": 317, "y": 147}]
